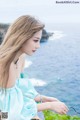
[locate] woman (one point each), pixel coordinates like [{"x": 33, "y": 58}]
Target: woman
[{"x": 23, "y": 37}]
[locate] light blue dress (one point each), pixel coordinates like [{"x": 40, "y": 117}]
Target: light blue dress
[{"x": 19, "y": 101}]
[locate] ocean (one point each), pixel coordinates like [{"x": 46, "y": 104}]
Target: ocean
[{"x": 55, "y": 68}]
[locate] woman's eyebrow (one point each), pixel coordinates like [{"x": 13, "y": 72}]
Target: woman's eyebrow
[{"x": 37, "y": 37}]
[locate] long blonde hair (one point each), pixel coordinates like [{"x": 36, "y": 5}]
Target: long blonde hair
[{"x": 18, "y": 33}]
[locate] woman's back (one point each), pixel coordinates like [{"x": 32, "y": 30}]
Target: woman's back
[
  {"x": 17, "y": 101},
  {"x": 14, "y": 71}
]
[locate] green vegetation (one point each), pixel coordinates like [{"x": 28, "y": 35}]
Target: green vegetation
[{"x": 49, "y": 115}]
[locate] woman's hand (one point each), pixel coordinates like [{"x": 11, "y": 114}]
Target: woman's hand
[{"x": 58, "y": 107}]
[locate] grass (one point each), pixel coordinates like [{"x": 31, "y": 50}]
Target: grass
[{"x": 49, "y": 115}]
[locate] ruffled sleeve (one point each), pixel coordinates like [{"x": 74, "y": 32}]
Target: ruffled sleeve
[
  {"x": 29, "y": 93},
  {"x": 27, "y": 88}
]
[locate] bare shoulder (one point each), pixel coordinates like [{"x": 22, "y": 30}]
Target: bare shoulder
[
  {"x": 12, "y": 75},
  {"x": 12, "y": 69}
]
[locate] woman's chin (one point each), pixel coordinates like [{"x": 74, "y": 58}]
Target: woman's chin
[{"x": 30, "y": 54}]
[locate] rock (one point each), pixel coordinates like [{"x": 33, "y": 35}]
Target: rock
[
  {"x": 45, "y": 35},
  {"x": 3, "y": 30}
]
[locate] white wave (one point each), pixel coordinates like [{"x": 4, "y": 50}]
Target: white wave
[
  {"x": 57, "y": 35},
  {"x": 27, "y": 63},
  {"x": 37, "y": 82}
]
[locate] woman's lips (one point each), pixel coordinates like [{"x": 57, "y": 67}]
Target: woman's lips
[{"x": 33, "y": 50}]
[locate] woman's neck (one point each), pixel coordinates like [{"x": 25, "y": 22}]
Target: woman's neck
[{"x": 17, "y": 57}]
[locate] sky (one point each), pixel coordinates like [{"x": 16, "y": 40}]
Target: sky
[{"x": 46, "y": 10}]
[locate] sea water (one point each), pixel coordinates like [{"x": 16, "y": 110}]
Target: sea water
[{"x": 55, "y": 68}]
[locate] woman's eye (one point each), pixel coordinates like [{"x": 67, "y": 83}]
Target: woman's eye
[{"x": 35, "y": 40}]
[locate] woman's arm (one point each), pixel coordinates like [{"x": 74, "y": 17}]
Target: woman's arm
[
  {"x": 51, "y": 103},
  {"x": 43, "y": 106},
  {"x": 42, "y": 98},
  {"x": 49, "y": 99},
  {"x": 58, "y": 107}
]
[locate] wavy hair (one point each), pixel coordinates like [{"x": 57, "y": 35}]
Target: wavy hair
[{"x": 18, "y": 33}]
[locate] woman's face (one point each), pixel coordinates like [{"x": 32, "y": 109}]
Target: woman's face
[{"x": 30, "y": 46}]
